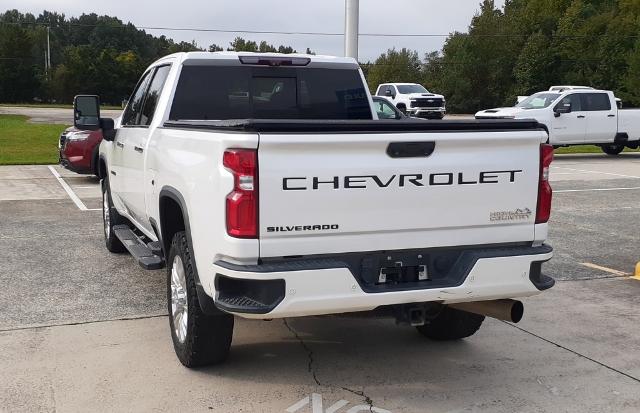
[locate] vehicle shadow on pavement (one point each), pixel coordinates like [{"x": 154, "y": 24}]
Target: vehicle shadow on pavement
[{"x": 359, "y": 352}]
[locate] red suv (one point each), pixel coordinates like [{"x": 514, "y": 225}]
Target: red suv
[{"x": 79, "y": 150}]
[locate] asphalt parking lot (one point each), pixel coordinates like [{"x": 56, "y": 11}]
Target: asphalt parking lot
[{"x": 85, "y": 330}]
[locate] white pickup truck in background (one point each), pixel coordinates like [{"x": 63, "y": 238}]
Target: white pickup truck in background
[
  {"x": 575, "y": 116},
  {"x": 414, "y": 100},
  {"x": 268, "y": 188}
]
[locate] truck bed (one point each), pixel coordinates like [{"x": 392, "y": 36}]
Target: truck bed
[
  {"x": 629, "y": 123},
  {"x": 357, "y": 185}
]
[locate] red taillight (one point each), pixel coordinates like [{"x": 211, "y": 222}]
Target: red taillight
[
  {"x": 544, "y": 188},
  {"x": 242, "y": 202}
]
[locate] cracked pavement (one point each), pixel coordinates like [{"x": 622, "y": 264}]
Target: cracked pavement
[
  {"x": 312, "y": 370},
  {"x": 82, "y": 329}
]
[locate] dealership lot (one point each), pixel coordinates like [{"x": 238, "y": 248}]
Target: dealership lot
[{"x": 84, "y": 329}]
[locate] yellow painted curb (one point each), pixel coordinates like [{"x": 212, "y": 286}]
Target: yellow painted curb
[{"x": 636, "y": 274}]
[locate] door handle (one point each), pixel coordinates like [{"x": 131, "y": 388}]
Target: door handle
[
  {"x": 120, "y": 144},
  {"x": 611, "y": 116},
  {"x": 581, "y": 116},
  {"x": 138, "y": 149},
  {"x": 410, "y": 149}
]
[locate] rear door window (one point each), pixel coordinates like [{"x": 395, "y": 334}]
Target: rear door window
[
  {"x": 241, "y": 92},
  {"x": 596, "y": 102}
]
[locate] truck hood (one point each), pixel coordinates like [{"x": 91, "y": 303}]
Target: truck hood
[
  {"x": 424, "y": 95},
  {"x": 500, "y": 113}
]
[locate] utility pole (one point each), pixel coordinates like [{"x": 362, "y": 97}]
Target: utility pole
[
  {"x": 48, "y": 54},
  {"x": 351, "y": 19}
]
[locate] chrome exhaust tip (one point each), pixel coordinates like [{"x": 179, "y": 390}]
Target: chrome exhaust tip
[{"x": 506, "y": 310}]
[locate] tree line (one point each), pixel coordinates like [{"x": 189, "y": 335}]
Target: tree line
[
  {"x": 89, "y": 54},
  {"x": 522, "y": 48}
]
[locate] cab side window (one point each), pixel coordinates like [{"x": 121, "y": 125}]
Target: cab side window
[
  {"x": 131, "y": 115},
  {"x": 155, "y": 88},
  {"x": 593, "y": 102},
  {"x": 574, "y": 100},
  {"x": 382, "y": 90}
]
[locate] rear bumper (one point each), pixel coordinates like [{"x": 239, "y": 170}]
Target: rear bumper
[{"x": 332, "y": 285}]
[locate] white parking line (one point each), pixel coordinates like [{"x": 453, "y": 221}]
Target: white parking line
[
  {"x": 567, "y": 173},
  {"x": 597, "y": 172},
  {"x": 596, "y": 190},
  {"x": 81, "y": 206}
]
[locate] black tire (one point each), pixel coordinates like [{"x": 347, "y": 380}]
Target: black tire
[
  {"x": 451, "y": 324},
  {"x": 110, "y": 218},
  {"x": 612, "y": 149},
  {"x": 402, "y": 108},
  {"x": 207, "y": 338}
]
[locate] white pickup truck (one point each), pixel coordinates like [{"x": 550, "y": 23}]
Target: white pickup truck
[
  {"x": 578, "y": 117},
  {"x": 414, "y": 100},
  {"x": 268, "y": 188}
]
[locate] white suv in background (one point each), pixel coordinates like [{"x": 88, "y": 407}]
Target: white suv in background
[{"x": 414, "y": 100}]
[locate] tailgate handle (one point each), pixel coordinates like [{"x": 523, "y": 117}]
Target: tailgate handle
[{"x": 410, "y": 149}]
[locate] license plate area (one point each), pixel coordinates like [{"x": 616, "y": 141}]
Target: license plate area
[
  {"x": 400, "y": 273},
  {"x": 381, "y": 272}
]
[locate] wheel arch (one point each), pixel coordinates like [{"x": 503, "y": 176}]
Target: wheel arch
[
  {"x": 621, "y": 138},
  {"x": 174, "y": 217},
  {"x": 95, "y": 161},
  {"x": 101, "y": 167}
]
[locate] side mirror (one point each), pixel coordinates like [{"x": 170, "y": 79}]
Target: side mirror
[
  {"x": 108, "y": 129},
  {"x": 86, "y": 112},
  {"x": 562, "y": 108}
]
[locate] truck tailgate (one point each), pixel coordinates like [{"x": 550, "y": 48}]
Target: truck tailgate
[{"x": 323, "y": 193}]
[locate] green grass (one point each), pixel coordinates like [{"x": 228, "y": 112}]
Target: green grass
[
  {"x": 53, "y": 105},
  {"x": 23, "y": 143},
  {"x": 586, "y": 149}
]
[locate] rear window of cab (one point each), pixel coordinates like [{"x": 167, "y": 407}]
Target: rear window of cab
[{"x": 208, "y": 92}]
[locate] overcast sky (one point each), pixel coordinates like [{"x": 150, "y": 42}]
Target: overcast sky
[{"x": 327, "y": 16}]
